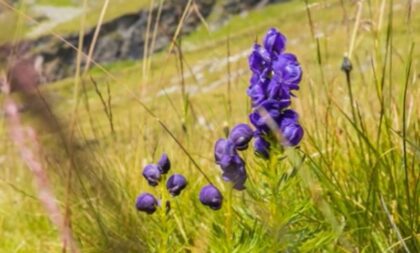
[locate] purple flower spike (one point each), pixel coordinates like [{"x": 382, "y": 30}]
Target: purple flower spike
[
  {"x": 262, "y": 147},
  {"x": 210, "y": 196},
  {"x": 274, "y": 42},
  {"x": 164, "y": 164},
  {"x": 152, "y": 174},
  {"x": 275, "y": 74},
  {"x": 175, "y": 184},
  {"x": 290, "y": 129},
  {"x": 240, "y": 135},
  {"x": 147, "y": 203}
]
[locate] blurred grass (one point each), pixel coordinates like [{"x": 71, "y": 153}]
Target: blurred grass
[
  {"x": 330, "y": 203},
  {"x": 115, "y": 9}
]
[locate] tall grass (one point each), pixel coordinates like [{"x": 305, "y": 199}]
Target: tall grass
[{"x": 352, "y": 186}]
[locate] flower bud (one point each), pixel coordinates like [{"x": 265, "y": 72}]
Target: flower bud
[
  {"x": 175, "y": 184},
  {"x": 274, "y": 41},
  {"x": 152, "y": 174},
  {"x": 290, "y": 129},
  {"x": 147, "y": 203},
  {"x": 240, "y": 135},
  {"x": 210, "y": 196},
  {"x": 164, "y": 164}
]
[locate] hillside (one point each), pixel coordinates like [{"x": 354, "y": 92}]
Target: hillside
[{"x": 352, "y": 185}]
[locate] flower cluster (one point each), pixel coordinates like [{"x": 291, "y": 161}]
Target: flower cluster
[
  {"x": 275, "y": 74},
  {"x": 146, "y": 202},
  {"x": 227, "y": 157},
  {"x": 232, "y": 165}
]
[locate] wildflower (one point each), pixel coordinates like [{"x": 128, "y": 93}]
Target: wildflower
[
  {"x": 164, "y": 164},
  {"x": 290, "y": 129},
  {"x": 152, "y": 174},
  {"x": 240, "y": 135},
  {"x": 261, "y": 147},
  {"x": 210, "y": 196},
  {"x": 274, "y": 42},
  {"x": 275, "y": 74},
  {"x": 146, "y": 202},
  {"x": 224, "y": 152},
  {"x": 236, "y": 175},
  {"x": 230, "y": 162},
  {"x": 259, "y": 60},
  {"x": 278, "y": 92},
  {"x": 257, "y": 94},
  {"x": 287, "y": 71},
  {"x": 175, "y": 184}
]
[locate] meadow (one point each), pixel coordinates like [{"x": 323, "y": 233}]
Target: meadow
[{"x": 351, "y": 185}]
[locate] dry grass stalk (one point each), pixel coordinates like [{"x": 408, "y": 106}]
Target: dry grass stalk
[{"x": 26, "y": 141}]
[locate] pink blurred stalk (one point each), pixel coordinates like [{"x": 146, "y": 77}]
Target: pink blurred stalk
[{"x": 25, "y": 139}]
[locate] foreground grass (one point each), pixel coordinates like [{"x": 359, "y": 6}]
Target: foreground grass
[{"x": 351, "y": 187}]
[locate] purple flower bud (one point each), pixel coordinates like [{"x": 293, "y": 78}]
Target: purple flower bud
[
  {"x": 262, "y": 147},
  {"x": 152, "y": 174},
  {"x": 274, "y": 41},
  {"x": 164, "y": 164},
  {"x": 237, "y": 176},
  {"x": 224, "y": 152},
  {"x": 210, "y": 196},
  {"x": 146, "y": 202},
  {"x": 290, "y": 129},
  {"x": 175, "y": 184},
  {"x": 259, "y": 122},
  {"x": 287, "y": 71},
  {"x": 240, "y": 135}
]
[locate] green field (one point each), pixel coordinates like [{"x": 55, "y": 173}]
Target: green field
[{"x": 352, "y": 186}]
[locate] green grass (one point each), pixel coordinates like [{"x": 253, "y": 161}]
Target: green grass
[
  {"x": 115, "y": 9},
  {"x": 344, "y": 190}
]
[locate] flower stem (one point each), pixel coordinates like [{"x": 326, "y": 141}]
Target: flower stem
[{"x": 229, "y": 230}]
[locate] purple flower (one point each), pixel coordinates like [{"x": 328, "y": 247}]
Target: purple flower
[
  {"x": 274, "y": 42},
  {"x": 274, "y": 75},
  {"x": 279, "y": 92},
  {"x": 287, "y": 71},
  {"x": 225, "y": 152},
  {"x": 152, "y": 174},
  {"x": 274, "y": 107},
  {"x": 237, "y": 176},
  {"x": 290, "y": 129},
  {"x": 146, "y": 202},
  {"x": 164, "y": 164},
  {"x": 259, "y": 122},
  {"x": 240, "y": 135},
  {"x": 270, "y": 109},
  {"x": 227, "y": 158},
  {"x": 259, "y": 60},
  {"x": 262, "y": 147},
  {"x": 210, "y": 196},
  {"x": 175, "y": 184},
  {"x": 257, "y": 94}
]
